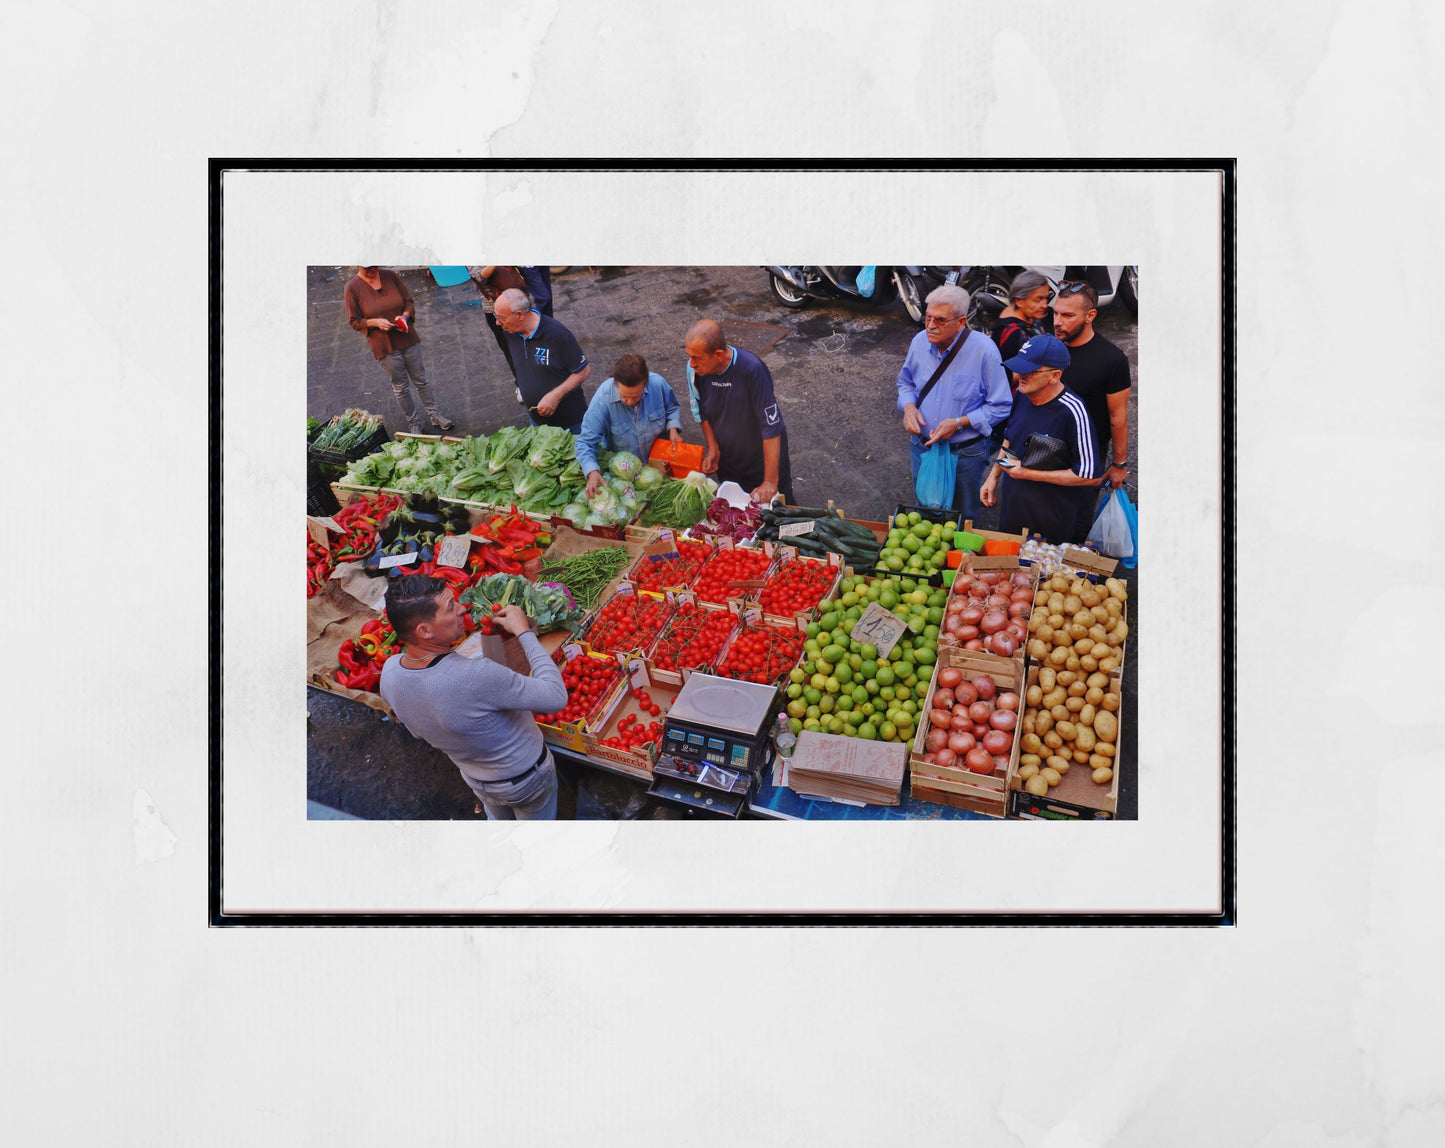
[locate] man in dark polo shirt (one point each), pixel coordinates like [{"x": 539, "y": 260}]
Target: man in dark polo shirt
[
  {"x": 747, "y": 442},
  {"x": 1098, "y": 372},
  {"x": 551, "y": 367}
]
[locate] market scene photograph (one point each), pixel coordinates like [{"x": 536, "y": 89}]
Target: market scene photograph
[{"x": 724, "y": 542}]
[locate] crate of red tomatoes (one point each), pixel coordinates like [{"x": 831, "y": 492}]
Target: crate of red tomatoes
[
  {"x": 694, "y": 638},
  {"x": 794, "y": 587},
  {"x": 761, "y": 651},
  {"x": 670, "y": 565},
  {"x": 590, "y": 680},
  {"x": 627, "y": 621},
  {"x": 628, "y": 729},
  {"x": 730, "y": 574}
]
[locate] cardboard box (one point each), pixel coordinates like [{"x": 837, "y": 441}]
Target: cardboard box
[
  {"x": 1076, "y": 796},
  {"x": 985, "y": 793},
  {"x": 675, "y": 678},
  {"x": 615, "y": 706},
  {"x": 783, "y": 556}
]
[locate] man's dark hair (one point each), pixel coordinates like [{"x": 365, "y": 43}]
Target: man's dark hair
[
  {"x": 1076, "y": 287},
  {"x": 630, "y": 371},
  {"x": 411, "y": 599}
]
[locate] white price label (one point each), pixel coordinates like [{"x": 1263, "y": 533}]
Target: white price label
[
  {"x": 879, "y": 628},
  {"x": 454, "y": 550},
  {"x": 571, "y": 650},
  {"x": 637, "y": 672},
  {"x": 397, "y": 560},
  {"x": 793, "y": 529}
]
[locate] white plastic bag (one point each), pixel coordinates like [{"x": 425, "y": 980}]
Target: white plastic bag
[{"x": 1110, "y": 532}]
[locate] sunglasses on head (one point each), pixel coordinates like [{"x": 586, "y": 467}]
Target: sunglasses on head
[{"x": 1069, "y": 287}]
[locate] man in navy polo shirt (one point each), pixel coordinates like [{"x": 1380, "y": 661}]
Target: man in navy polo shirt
[
  {"x": 1049, "y": 429},
  {"x": 747, "y": 442},
  {"x": 968, "y": 400},
  {"x": 551, "y": 367}
]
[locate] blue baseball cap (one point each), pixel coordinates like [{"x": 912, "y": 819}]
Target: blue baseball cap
[{"x": 1039, "y": 351}]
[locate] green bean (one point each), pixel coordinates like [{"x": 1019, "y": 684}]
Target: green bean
[{"x": 585, "y": 575}]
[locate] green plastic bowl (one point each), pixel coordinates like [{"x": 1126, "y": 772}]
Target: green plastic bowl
[
  {"x": 963, "y": 540},
  {"x": 948, "y": 576}
]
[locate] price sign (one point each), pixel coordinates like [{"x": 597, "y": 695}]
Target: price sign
[
  {"x": 834, "y": 559},
  {"x": 793, "y": 529},
  {"x": 571, "y": 650},
  {"x": 637, "y": 671},
  {"x": 454, "y": 550},
  {"x": 397, "y": 560},
  {"x": 754, "y": 614},
  {"x": 625, "y": 590},
  {"x": 879, "y": 628},
  {"x": 317, "y": 527}
]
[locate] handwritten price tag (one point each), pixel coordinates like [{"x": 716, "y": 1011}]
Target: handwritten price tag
[
  {"x": 397, "y": 560},
  {"x": 879, "y": 628},
  {"x": 318, "y": 527},
  {"x": 637, "y": 671},
  {"x": 454, "y": 550},
  {"x": 571, "y": 650},
  {"x": 793, "y": 529}
]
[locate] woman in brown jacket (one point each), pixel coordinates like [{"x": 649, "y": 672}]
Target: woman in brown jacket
[{"x": 381, "y": 308}]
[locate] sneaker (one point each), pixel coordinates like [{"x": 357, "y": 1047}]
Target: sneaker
[
  {"x": 415, "y": 428},
  {"x": 444, "y": 422}
]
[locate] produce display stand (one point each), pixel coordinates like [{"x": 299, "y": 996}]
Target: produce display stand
[{"x": 930, "y": 792}]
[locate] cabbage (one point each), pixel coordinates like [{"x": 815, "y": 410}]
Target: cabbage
[
  {"x": 574, "y": 512},
  {"x": 625, "y": 465},
  {"x": 648, "y": 478},
  {"x": 605, "y": 501}
]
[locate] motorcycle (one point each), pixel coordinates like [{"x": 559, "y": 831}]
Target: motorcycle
[{"x": 879, "y": 286}]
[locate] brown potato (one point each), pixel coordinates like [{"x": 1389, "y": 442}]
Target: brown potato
[
  {"x": 1120, "y": 633},
  {"x": 1030, "y": 759},
  {"x": 1080, "y": 756},
  {"x": 1072, "y": 605},
  {"x": 1067, "y": 677},
  {"x": 1037, "y": 785},
  {"x": 1089, "y": 596},
  {"x": 1030, "y": 743},
  {"x": 1095, "y": 694},
  {"x": 1061, "y": 637},
  {"x": 1038, "y": 649},
  {"x": 1056, "y": 620},
  {"x": 1087, "y": 663},
  {"x": 1074, "y": 704},
  {"x": 1059, "y": 583},
  {"x": 1041, "y": 597},
  {"x": 1035, "y": 621},
  {"x": 1114, "y": 607},
  {"x": 1101, "y": 613},
  {"x": 1109, "y": 665},
  {"x": 1098, "y": 634},
  {"x": 1097, "y": 680},
  {"x": 1051, "y": 777},
  {"x": 1086, "y": 715},
  {"x": 1059, "y": 656},
  {"x": 1047, "y": 678},
  {"x": 1027, "y": 771},
  {"x": 1116, "y": 589},
  {"x": 1056, "y": 603},
  {"x": 1106, "y": 726},
  {"x": 1055, "y": 697},
  {"x": 1101, "y": 651},
  {"x": 1060, "y": 713},
  {"x": 1099, "y": 761},
  {"x": 1083, "y": 646},
  {"x": 1071, "y": 662},
  {"x": 1029, "y": 719},
  {"x": 1104, "y": 748},
  {"x": 1110, "y": 702},
  {"x": 1084, "y": 739},
  {"x": 1043, "y": 723},
  {"x": 1059, "y": 763},
  {"x": 1053, "y": 740},
  {"x": 1077, "y": 689},
  {"x": 1067, "y": 730},
  {"x": 1102, "y": 775}
]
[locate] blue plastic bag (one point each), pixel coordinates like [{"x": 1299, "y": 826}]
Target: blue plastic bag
[
  {"x": 1113, "y": 533},
  {"x": 1133, "y": 516},
  {"x": 865, "y": 281},
  {"x": 936, "y": 477}
]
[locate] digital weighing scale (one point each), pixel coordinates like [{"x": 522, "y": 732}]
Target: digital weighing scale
[{"x": 714, "y": 744}]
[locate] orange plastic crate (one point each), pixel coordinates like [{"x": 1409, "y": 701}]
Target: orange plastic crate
[{"x": 680, "y": 459}]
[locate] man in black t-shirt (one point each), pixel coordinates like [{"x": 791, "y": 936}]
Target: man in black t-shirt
[
  {"x": 1098, "y": 372},
  {"x": 551, "y": 367}
]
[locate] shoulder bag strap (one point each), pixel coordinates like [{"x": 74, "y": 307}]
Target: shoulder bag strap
[{"x": 943, "y": 366}]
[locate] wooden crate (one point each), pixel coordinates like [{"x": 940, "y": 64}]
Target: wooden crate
[
  {"x": 1076, "y": 795},
  {"x": 616, "y": 705},
  {"x": 986, "y": 792},
  {"x": 1007, "y": 565}
]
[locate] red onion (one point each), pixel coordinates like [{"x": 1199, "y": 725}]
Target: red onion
[
  {"x": 945, "y": 756},
  {"x": 993, "y": 622},
  {"x": 1022, "y": 580},
  {"x": 928, "y": 757},
  {"x": 1004, "y": 720},
  {"x": 961, "y": 742},
  {"x": 985, "y": 686},
  {"x": 937, "y": 739},
  {"x": 943, "y": 699},
  {"x": 1003, "y": 644},
  {"x": 948, "y": 677},
  {"x": 988, "y": 578},
  {"x": 971, "y": 616},
  {"x": 961, "y": 722},
  {"x": 979, "y": 711},
  {"x": 973, "y": 644},
  {"x": 967, "y": 632},
  {"x": 1007, "y": 700},
  {"x": 951, "y": 624},
  {"x": 940, "y": 718},
  {"x": 996, "y": 742},
  {"x": 1019, "y": 609},
  {"x": 1001, "y": 761},
  {"x": 963, "y": 693},
  {"x": 979, "y": 760}
]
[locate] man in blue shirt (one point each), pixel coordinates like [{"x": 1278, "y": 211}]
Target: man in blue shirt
[
  {"x": 968, "y": 400},
  {"x": 630, "y": 411},
  {"x": 746, "y": 440},
  {"x": 551, "y": 367}
]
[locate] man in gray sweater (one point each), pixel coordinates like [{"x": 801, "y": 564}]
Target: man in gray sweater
[{"x": 475, "y": 711}]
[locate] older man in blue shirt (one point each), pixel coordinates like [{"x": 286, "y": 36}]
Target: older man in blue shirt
[
  {"x": 966, "y": 401},
  {"x": 630, "y": 411}
]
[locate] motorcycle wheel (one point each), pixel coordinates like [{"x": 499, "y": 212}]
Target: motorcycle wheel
[
  {"x": 980, "y": 317},
  {"x": 911, "y": 296},
  {"x": 786, "y": 293},
  {"x": 1129, "y": 289}
]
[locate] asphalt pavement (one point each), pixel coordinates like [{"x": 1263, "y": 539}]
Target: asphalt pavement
[{"x": 834, "y": 367}]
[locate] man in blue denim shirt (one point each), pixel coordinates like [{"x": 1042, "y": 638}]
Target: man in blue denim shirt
[
  {"x": 630, "y": 411},
  {"x": 970, "y": 398}
]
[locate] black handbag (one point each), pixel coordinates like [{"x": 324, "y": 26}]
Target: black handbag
[{"x": 1043, "y": 452}]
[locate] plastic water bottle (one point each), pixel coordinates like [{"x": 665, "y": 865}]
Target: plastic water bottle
[{"x": 784, "y": 739}]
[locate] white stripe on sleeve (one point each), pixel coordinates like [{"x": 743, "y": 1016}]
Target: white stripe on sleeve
[{"x": 1084, "y": 429}]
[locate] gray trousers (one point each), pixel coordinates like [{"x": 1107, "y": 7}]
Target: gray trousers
[{"x": 406, "y": 366}]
